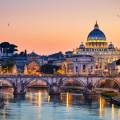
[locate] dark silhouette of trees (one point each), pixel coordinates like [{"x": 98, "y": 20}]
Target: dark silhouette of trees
[
  {"x": 7, "y": 65},
  {"x": 118, "y": 62},
  {"x": 49, "y": 69},
  {"x": 6, "y": 47}
]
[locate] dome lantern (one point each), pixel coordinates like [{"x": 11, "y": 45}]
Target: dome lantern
[{"x": 96, "y": 26}]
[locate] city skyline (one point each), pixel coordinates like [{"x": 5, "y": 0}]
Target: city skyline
[{"x": 51, "y": 26}]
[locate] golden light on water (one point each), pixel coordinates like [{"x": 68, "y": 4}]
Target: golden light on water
[
  {"x": 113, "y": 112},
  {"x": 101, "y": 106},
  {"x": 30, "y": 96},
  {"x": 119, "y": 114},
  {"x": 48, "y": 98},
  {"x": 39, "y": 98},
  {"x": 67, "y": 100}
]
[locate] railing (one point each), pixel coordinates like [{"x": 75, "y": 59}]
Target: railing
[{"x": 40, "y": 76}]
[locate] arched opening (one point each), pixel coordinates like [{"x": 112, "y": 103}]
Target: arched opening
[
  {"x": 108, "y": 85},
  {"x": 89, "y": 86},
  {"x": 5, "y": 83},
  {"x": 6, "y": 87},
  {"x": 84, "y": 68},
  {"x": 76, "y": 69},
  {"x": 35, "y": 88},
  {"x": 72, "y": 85},
  {"x": 37, "y": 84}
]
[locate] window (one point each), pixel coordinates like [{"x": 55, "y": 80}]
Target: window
[
  {"x": 84, "y": 68},
  {"x": 76, "y": 69}
]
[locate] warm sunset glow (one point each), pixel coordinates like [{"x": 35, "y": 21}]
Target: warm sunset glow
[{"x": 47, "y": 26}]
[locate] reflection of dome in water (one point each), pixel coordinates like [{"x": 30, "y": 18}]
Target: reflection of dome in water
[{"x": 96, "y": 34}]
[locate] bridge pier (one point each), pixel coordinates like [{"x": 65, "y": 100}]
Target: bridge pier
[
  {"x": 19, "y": 88},
  {"x": 54, "y": 89},
  {"x": 18, "y": 92}
]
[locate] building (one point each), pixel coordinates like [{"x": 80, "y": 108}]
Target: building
[
  {"x": 79, "y": 65},
  {"x": 56, "y": 56},
  {"x": 93, "y": 57},
  {"x": 114, "y": 67},
  {"x": 33, "y": 57},
  {"x": 41, "y": 60},
  {"x": 98, "y": 47},
  {"x": 33, "y": 68},
  {"x": 20, "y": 60}
]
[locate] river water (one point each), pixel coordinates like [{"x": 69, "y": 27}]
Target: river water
[{"x": 38, "y": 105}]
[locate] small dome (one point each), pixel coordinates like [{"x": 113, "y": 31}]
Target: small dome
[
  {"x": 96, "y": 35},
  {"x": 111, "y": 46},
  {"x": 82, "y": 46}
]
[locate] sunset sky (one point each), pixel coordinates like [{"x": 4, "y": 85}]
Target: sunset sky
[{"x": 47, "y": 26}]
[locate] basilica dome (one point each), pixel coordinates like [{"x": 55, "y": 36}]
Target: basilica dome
[
  {"x": 96, "y": 38},
  {"x": 96, "y": 35}
]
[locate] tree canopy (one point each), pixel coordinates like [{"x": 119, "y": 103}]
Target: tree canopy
[
  {"x": 49, "y": 69},
  {"x": 8, "y": 48}
]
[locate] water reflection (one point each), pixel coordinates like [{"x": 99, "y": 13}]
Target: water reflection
[
  {"x": 119, "y": 114},
  {"x": 67, "y": 100},
  {"x": 48, "y": 98},
  {"x": 37, "y": 96},
  {"x": 38, "y": 105},
  {"x": 113, "y": 111},
  {"x": 102, "y": 104}
]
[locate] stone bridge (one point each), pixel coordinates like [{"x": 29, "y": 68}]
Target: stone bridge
[{"x": 21, "y": 82}]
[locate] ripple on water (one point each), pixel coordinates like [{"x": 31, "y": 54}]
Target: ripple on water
[{"x": 36, "y": 106}]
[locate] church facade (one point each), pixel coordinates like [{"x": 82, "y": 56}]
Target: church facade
[{"x": 97, "y": 47}]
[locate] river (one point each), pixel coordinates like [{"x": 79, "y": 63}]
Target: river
[{"x": 38, "y": 105}]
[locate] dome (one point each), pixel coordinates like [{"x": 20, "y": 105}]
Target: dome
[
  {"x": 82, "y": 46},
  {"x": 96, "y": 35},
  {"x": 111, "y": 46}
]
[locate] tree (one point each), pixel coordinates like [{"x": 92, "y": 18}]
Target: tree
[
  {"x": 4, "y": 46},
  {"x": 12, "y": 48},
  {"x": 8, "y": 48},
  {"x": 8, "y": 65},
  {"x": 49, "y": 69}
]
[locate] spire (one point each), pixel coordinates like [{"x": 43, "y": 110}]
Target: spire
[{"x": 96, "y": 25}]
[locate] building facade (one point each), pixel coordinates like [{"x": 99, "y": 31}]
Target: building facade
[
  {"x": 78, "y": 65},
  {"x": 98, "y": 47},
  {"x": 92, "y": 57}
]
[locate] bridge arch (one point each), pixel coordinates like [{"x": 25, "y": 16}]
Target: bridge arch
[
  {"x": 107, "y": 83},
  {"x": 6, "y": 82},
  {"x": 37, "y": 82},
  {"x": 73, "y": 82}
]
